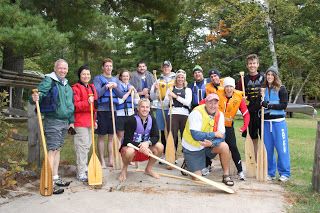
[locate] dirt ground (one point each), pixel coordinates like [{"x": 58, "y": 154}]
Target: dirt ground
[{"x": 141, "y": 193}]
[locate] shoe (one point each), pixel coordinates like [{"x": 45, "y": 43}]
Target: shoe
[
  {"x": 163, "y": 158},
  {"x": 205, "y": 171},
  {"x": 83, "y": 178},
  {"x": 241, "y": 176},
  {"x": 176, "y": 162},
  {"x": 269, "y": 178},
  {"x": 283, "y": 178},
  {"x": 57, "y": 190},
  {"x": 209, "y": 168},
  {"x": 184, "y": 166},
  {"x": 60, "y": 182}
]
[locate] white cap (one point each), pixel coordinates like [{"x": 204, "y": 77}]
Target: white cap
[{"x": 228, "y": 81}]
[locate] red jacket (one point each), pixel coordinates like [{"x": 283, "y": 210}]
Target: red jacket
[{"x": 81, "y": 105}]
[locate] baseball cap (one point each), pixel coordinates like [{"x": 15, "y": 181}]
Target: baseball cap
[
  {"x": 214, "y": 71},
  {"x": 166, "y": 63},
  {"x": 212, "y": 96}
]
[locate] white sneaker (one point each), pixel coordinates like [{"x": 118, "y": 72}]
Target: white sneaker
[
  {"x": 205, "y": 171},
  {"x": 283, "y": 178},
  {"x": 241, "y": 176},
  {"x": 269, "y": 178}
]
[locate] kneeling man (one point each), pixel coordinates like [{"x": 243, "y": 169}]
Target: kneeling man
[
  {"x": 203, "y": 137},
  {"x": 142, "y": 131}
]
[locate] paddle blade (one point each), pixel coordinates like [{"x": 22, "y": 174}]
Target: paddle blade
[
  {"x": 117, "y": 161},
  {"x": 94, "y": 171},
  {"x": 250, "y": 158},
  {"x": 46, "y": 182},
  {"x": 170, "y": 149},
  {"x": 261, "y": 163}
]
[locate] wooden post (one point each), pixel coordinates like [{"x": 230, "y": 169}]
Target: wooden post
[
  {"x": 316, "y": 165},
  {"x": 33, "y": 137}
]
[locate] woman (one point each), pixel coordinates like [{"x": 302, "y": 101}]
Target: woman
[
  {"x": 82, "y": 119},
  {"x": 181, "y": 97},
  {"x": 275, "y": 127},
  {"x": 125, "y": 108}
]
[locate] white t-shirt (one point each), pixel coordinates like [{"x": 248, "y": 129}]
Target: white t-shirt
[{"x": 195, "y": 123}]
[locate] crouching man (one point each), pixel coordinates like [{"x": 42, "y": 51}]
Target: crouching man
[
  {"x": 203, "y": 137},
  {"x": 142, "y": 131}
]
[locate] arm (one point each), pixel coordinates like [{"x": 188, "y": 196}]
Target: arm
[
  {"x": 116, "y": 89},
  {"x": 245, "y": 114},
  {"x": 101, "y": 89},
  {"x": 153, "y": 92},
  {"x": 43, "y": 89},
  {"x": 154, "y": 132},
  {"x": 80, "y": 105},
  {"x": 131, "y": 126},
  {"x": 283, "y": 95}
]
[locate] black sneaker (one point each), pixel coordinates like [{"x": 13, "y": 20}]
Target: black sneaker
[
  {"x": 184, "y": 166},
  {"x": 57, "y": 190},
  {"x": 60, "y": 182}
]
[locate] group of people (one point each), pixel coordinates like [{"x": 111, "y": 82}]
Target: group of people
[{"x": 203, "y": 111}]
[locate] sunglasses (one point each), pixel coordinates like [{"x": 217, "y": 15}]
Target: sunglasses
[
  {"x": 71, "y": 131},
  {"x": 180, "y": 72}
]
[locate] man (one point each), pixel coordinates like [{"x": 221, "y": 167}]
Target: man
[
  {"x": 198, "y": 87},
  {"x": 58, "y": 119},
  {"x": 215, "y": 83},
  {"x": 204, "y": 136},
  {"x": 103, "y": 83},
  {"x": 252, "y": 83},
  {"x": 157, "y": 94},
  {"x": 142, "y": 80},
  {"x": 141, "y": 131},
  {"x": 230, "y": 102}
]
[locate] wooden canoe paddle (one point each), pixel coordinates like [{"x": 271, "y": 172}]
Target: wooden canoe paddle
[
  {"x": 46, "y": 182},
  {"x": 170, "y": 147},
  {"x": 117, "y": 161},
  {"x": 248, "y": 144},
  {"x": 205, "y": 180},
  {"x": 262, "y": 163},
  {"x": 94, "y": 166},
  {"x": 162, "y": 107}
]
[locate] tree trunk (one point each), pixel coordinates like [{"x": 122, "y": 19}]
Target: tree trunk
[
  {"x": 15, "y": 62},
  {"x": 270, "y": 34},
  {"x": 291, "y": 93},
  {"x": 316, "y": 165},
  {"x": 154, "y": 48},
  {"x": 301, "y": 87}
]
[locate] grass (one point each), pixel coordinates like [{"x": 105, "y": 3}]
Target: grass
[{"x": 302, "y": 134}]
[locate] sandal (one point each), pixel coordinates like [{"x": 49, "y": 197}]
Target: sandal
[{"x": 226, "y": 179}]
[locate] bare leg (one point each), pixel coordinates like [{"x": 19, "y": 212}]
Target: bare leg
[
  {"x": 110, "y": 156},
  {"x": 255, "y": 147},
  {"x": 101, "y": 150},
  {"x": 56, "y": 162},
  {"x": 127, "y": 156},
  {"x": 223, "y": 151},
  {"x": 157, "y": 150},
  {"x": 51, "y": 161}
]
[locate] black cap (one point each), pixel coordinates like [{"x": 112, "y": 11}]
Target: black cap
[{"x": 214, "y": 71}]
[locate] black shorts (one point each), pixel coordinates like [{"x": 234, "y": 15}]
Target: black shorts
[
  {"x": 254, "y": 125},
  {"x": 105, "y": 122},
  {"x": 121, "y": 120}
]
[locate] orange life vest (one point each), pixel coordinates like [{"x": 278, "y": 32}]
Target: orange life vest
[{"x": 229, "y": 107}]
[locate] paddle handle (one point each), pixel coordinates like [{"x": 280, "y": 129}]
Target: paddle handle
[
  {"x": 43, "y": 139},
  {"x": 92, "y": 125},
  {"x": 210, "y": 182},
  {"x": 242, "y": 83},
  {"x": 132, "y": 100},
  {"x": 112, "y": 112}
]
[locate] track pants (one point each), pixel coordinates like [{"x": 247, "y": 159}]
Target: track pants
[{"x": 276, "y": 136}]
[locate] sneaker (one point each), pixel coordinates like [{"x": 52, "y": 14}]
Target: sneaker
[
  {"x": 209, "y": 168},
  {"x": 163, "y": 158},
  {"x": 283, "y": 178},
  {"x": 205, "y": 171},
  {"x": 57, "y": 190},
  {"x": 83, "y": 178},
  {"x": 241, "y": 176},
  {"x": 60, "y": 182},
  {"x": 269, "y": 178}
]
